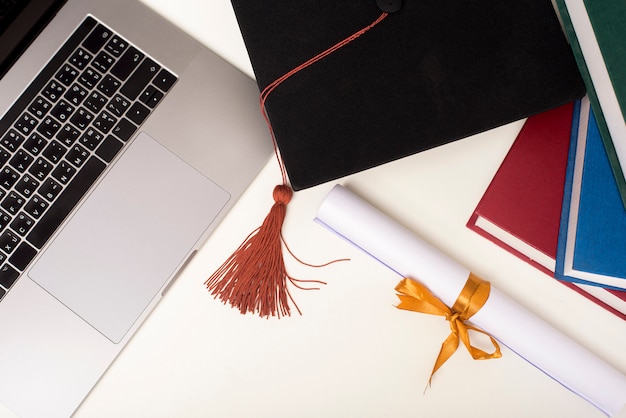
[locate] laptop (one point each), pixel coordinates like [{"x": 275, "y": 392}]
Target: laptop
[{"x": 123, "y": 144}]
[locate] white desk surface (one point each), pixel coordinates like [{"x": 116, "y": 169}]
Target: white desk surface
[{"x": 351, "y": 353}]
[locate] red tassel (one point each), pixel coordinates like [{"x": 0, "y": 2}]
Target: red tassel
[{"x": 254, "y": 278}]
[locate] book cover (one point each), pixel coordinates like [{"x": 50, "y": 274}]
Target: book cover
[
  {"x": 596, "y": 30},
  {"x": 426, "y": 75},
  {"x": 592, "y": 235},
  {"x": 522, "y": 205},
  {"x": 521, "y": 208}
]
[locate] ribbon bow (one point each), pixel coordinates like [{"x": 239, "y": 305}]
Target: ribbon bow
[{"x": 416, "y": 297}]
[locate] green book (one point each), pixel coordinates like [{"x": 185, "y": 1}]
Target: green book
[{"x": 597, "y": 30}]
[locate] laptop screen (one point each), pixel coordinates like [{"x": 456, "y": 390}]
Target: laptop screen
[{"x": 20, "y": 22}]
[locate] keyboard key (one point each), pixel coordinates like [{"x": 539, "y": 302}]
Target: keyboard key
[
  {"x": 22, "y": 224},
  {"x": 40, "y": 168},
  {"x": 4, "y": 156},
  {"x": 89, "y": 78},
  {"x": 165, "y": 80},
  {"x": 138, "y": 113},
  {"x": 80, "y": 58},
  {"x": 35, "y": 143},
  {"x": 26, "y": 186},
  {"x": 109, "y": 148},
  {"x": 127, "y": 63},
  {"x": 82, "y": 118},
  {"x": 59, "y": 210},
  {"x": 75, "y": 94},
  {"x": 140, "y": 79},
  {"x": 39, "y": 107},
  {"x": 68, "y": 135},
  {"x": 8, "y": 177},
  {"x": 49, "y": 189},
  {"x": 103, "y": 62},
  {"x": 12, "y": 140},
  {"x": 63, "y": 172},
  {"x": 116, "y": 46},
  {"x": 67, "y": 75},
  {"x": 53, "y": 91},
  {"x": 124, "y": 129},
  {"x": 109, "y": 85},
  {"x": 95, "y": 102},
  {"x": 12, "y": 203},
  {"x": 118, "y": 105},
  {"x": 8, "y": 275},
  {"x": 4, "y": 220},
  {"x": 25, "y": 124},
  {"x": 54, "y": 151},
  {"x": 48, "y": 127},
  {"x": 22, "y": 256},
  {"x": 91, "y": 139},
  {"x": 77, "y": 155},
  {"x": 21, "y": 161},
  {"x": 104, "y": 122},
  {"x": 97, "y": 38},
  {"x": 8, "y": 241},
  {"x": 36, "y": 207},
  {"x": 62, "y": 110}
]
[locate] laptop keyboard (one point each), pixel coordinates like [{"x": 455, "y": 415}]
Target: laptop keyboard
[{"x": 64, "y": 130}]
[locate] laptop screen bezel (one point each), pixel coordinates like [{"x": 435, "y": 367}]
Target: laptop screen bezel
[{"x": 23, "y": 28}]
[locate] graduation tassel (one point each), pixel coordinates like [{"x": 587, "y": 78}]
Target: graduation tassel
[{"x": 254, "y": 278}]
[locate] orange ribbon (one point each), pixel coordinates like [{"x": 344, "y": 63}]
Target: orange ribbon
[{"x": 416, "y": 297}]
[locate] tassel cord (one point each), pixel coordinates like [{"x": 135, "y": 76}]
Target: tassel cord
[{"x": 273, "y": 85}]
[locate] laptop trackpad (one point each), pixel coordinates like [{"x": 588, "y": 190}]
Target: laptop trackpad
[{"x": 129, "y": 237}]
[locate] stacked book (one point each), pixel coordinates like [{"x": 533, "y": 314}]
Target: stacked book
[{"x": 558, "y": 199}]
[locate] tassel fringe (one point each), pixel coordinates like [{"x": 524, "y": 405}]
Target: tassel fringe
[{"x": 254, "y": 278}]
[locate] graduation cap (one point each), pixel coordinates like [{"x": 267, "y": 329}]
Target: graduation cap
[{"x": 347, "y": 85}]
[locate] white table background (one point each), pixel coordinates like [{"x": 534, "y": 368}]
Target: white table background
[{"x": 351, "y": 353}]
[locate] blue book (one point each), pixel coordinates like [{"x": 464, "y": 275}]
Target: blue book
[{"x": 592, "y": 235}]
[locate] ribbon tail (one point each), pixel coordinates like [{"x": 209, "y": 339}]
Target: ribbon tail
[
  {"x": 477, "y": 353},
  {"x": 448, "y": 348}
]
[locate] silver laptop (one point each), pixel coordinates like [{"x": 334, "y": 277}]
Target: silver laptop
[{"x": 123, "y": 143}]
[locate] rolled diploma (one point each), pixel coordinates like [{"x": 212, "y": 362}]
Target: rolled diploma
[{"x": 540, "y": 344}]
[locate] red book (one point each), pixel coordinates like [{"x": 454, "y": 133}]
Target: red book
[{"x": 521, "y": 209}]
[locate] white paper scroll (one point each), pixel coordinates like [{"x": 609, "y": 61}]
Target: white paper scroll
[{"x": 542, "y": 345}]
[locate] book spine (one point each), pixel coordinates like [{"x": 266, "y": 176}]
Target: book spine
[{"x": 618, "y": 171}]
